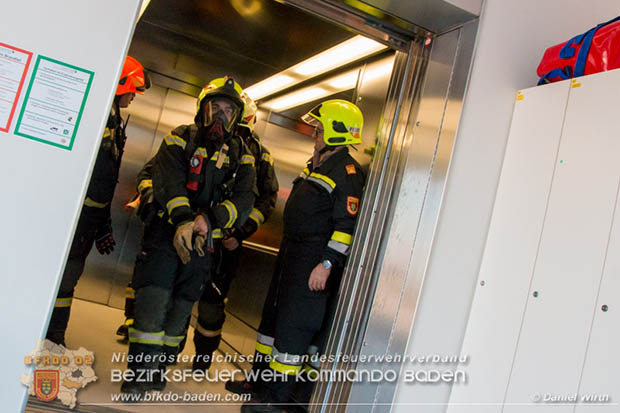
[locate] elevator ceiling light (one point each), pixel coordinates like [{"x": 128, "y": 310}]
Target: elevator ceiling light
[
  {"x": 345, "y": 52},
  {"x": 297, "y": 98},
  {"x": 330, "y": 86},
  {"x": 346, "y": 81},
  {"x": 268, "y": 86}
]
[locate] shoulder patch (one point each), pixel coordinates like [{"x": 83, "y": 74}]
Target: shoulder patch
[
  {"x": 351, "y": 169},
  {"x": 353, "y": 205}
]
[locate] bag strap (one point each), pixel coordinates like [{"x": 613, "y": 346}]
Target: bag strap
[
  {"x": 565, "y": 73},
  {"x": 585, "y": 39}
]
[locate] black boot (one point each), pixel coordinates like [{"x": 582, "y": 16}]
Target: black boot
[
  {"x": 243, "y": 387},
  {"x": 123, "y": 331},
  {"x": 159, "y": 381},
  {"x": 135, "y": 387}
]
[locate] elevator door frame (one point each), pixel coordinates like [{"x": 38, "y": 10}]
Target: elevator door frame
[{"x": 384, "y": 277}]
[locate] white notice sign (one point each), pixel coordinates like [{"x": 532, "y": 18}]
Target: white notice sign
[
  {"x": 54, "y": 103},
  {"x": 14, "y": 64}
]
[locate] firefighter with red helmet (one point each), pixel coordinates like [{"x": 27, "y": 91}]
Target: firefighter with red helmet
[
  {"x": 94, "y": 225},
  {"x": 319, "y": 220},
  {"x": 203, "y": 181}
]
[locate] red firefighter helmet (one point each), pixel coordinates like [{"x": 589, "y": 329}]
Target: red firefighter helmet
[{"x": 134, "y": 79}]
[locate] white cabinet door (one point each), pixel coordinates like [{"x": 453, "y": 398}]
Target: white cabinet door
[
  {"x": 600, "y": 384},
  {"x": 508, "y": 261},
  {"x": 553, "y": 341}
]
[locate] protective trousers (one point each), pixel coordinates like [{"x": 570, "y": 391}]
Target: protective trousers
[
  {"x": 292, "y": 316},
  {"x": 211, "y": 315},
  {"x": 165, "y": 293},
  {"x": 81, "y": 245}
]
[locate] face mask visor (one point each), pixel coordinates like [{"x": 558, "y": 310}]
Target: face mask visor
[{"x": 223, "y": 111}]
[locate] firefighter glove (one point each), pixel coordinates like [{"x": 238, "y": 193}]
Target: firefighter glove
[
  {"x": 199, "y": 243},
  {"x": 183, "y": 240},
  {"x": 104, "y": 241}
]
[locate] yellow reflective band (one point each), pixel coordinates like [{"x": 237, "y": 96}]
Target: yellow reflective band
[
  {"x": 137, "y": 336},
  {"x": 145, "y": 183},
  {"x": 304, "y": 173},
  {"x": 324, "y": 178},
  {"x": 201, "y": 152},
  {"x": 267, "y": 158},
  {"x": 263, "y": 349},
  {"x": 129, "y": 322},
  {"x": 130, "y": 292},
  {"x": 172, "y": 341},
  {"x": 232, "y": 213},
  {"x": 342, "y": 237},
  {"x": 217, "y": 234},
  {"x": 247, "y": 160},
  {"x": 160, "y": 214},
  {"x": 175, "y": 140},
  {"x": 284, "y": 368},
  {"x": 63, "y": 302},
  {"x": 217, "y": 155},
  {"x": 107, "y": 133},
  {"x": 257, "y": 217},
  {"x": 94, "y": 204},
  {"x": 207, "y": 333},
  {"x": 177, "y": 202}
]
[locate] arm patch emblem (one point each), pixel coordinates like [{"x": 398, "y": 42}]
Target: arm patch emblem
[
  {"x": 353, "y": 205},
  {"x": 351, "y": 169}
]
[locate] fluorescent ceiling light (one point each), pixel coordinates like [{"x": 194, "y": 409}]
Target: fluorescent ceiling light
[
  {"x": 145, "y": 3},
  {"x": 346, "y": 81},
  {"x": 330, "y": 86},
  {"x": 268, "y": 86},
  {"x": 345, "y": 52},
  {"x": 297, "y": 98}
]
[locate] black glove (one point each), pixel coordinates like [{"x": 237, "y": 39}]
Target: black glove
[{"x": 104, "y": 240}]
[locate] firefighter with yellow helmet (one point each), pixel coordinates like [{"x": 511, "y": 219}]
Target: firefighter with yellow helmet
[
  {"x": 95, "y": 225},
  {"x": 211, "y": 316},
  {"x": 319, "y": 220},
  {"x": 203, "y": 181}
]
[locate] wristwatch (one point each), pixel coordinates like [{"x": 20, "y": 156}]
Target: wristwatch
[{"x": 327, "y": 264}]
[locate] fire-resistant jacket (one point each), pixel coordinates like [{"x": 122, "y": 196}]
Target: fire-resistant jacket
[
  {"x": 267, "y": 186},
  {"x": 324, "y": 204},
  {"x": 107, "y": 165},
  {"x": 191, "y": 174}
]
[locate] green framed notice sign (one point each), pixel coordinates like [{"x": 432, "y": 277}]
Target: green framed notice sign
[{"x": 54, "y": 103}]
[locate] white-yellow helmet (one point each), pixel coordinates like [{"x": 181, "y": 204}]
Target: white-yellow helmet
[{"x": 248, "y": 120}]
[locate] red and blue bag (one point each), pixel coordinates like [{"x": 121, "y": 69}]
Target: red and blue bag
[{"x": 596, "y": 50}]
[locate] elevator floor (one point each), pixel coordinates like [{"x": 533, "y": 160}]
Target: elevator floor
[{"x": 93, "y": 326}]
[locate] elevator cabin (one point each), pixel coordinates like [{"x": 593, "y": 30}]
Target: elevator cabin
[{"x": 405, "y": 67}]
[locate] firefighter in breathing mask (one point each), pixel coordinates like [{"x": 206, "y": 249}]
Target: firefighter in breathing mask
[{"x": 203, "y": 181}]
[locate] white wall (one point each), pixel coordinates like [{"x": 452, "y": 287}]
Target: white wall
[
  {"x": 512, "y": 38},
  {"x": 42, "y": 185}
]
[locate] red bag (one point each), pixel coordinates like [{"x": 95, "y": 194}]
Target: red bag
[{"x": 596, "y": 50}]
